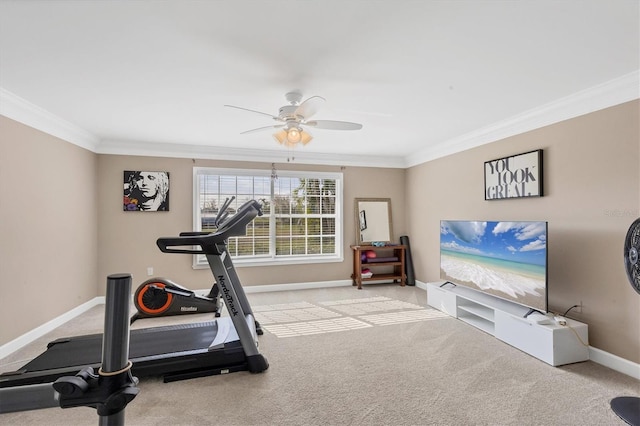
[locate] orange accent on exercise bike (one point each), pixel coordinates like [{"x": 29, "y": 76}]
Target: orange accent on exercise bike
[{"x": 159, "y": 310}]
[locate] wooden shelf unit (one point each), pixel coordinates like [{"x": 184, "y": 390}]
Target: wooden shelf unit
[{"x": 394, "y": 270}]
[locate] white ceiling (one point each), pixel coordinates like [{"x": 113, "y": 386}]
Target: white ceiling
[{"x": 425, "y": 78}]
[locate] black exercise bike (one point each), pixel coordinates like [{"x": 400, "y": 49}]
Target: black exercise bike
[{"x": 158, "y": 297}]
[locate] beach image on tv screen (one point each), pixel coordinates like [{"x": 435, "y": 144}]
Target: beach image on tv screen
[{"x": 506, "y": 259}]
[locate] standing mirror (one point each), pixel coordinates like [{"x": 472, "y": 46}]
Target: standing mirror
[{"x": 373, "y": 220}]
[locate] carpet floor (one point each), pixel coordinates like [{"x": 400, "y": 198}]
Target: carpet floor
[{"x": 339, "y": 356}]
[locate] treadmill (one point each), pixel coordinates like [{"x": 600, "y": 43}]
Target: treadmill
[{"x": 225, "y": 345}]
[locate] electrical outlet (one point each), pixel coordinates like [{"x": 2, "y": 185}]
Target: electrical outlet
[
  {"x": 579, "y": 308},
  {"x": 150, "y": 271}
]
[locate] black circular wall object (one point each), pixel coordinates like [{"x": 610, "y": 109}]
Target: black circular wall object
[{"x": 631, "y": 253}]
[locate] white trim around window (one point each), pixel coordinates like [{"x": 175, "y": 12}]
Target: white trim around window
[{"x": 303, "y": 220}]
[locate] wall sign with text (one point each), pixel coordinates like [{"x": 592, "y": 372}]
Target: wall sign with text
[{"x": 514, "y": 177}]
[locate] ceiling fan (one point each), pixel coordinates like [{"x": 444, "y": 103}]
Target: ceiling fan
[{"x": 293, "y": 120}]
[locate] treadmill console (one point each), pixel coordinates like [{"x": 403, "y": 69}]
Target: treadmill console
[{"x": 233, "y": 226}]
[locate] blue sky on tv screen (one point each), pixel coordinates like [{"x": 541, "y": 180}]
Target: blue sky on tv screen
[{"x": 524, "y": 242}]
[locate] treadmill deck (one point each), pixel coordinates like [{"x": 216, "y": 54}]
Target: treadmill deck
[{"x": 157, "y": 351}]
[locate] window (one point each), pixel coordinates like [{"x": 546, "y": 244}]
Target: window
[{"x": 302, "y": 220}]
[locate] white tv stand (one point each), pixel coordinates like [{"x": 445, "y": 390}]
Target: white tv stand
[{"x": 552, "y": 343}]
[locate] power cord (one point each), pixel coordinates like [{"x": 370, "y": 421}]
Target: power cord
[
  {"x": 577, "y": 336},
  {"x": 566, "y": 324},
  {"x": 567, "y": 311}
]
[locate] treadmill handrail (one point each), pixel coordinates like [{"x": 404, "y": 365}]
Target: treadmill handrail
[{"x": 231, "y": 227}]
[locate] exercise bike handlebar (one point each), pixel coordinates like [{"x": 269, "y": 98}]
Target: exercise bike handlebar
[{"x": 208, "y": 242}]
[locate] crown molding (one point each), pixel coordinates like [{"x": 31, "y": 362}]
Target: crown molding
[
  {"x": 23, "y": 111},
  {"x": 611, "y": 93},
  {"x": 173, "y": 150},
  {"x": 614, "y": 92}
]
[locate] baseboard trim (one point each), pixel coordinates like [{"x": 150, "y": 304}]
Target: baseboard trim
[
  {"x": 421, "y": 285},
  {"x": 614, "y": 362},
  {"x": 45, "y": 328}
]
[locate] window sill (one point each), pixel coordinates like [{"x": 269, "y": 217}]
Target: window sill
[{"x": 289, "y": 260}]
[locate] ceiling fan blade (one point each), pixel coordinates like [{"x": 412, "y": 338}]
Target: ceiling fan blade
[
  {"x": 310, "y": 106},
  {"x": 260, "y": 129},
  {"x": 333, "y": 125},
  {"x": 252, "y": 110}
]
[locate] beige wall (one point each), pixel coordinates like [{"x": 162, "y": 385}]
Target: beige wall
[
  {"x": 592, "y": 195},
  {"x": 48, "y": 228},
  {"x": 62, "y": 229},
  {"x": 127, "y": 240}
]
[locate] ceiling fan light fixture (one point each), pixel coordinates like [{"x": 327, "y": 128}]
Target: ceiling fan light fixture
[
  {"x": 280, "y": 136},
  {"x": 305, "y": 137},
  {"x": 294, "y": 135},
  {"x": 292, "y": 117}
]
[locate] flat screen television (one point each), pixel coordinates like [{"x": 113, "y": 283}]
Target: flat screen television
[{"x": 505, "y": 259}]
